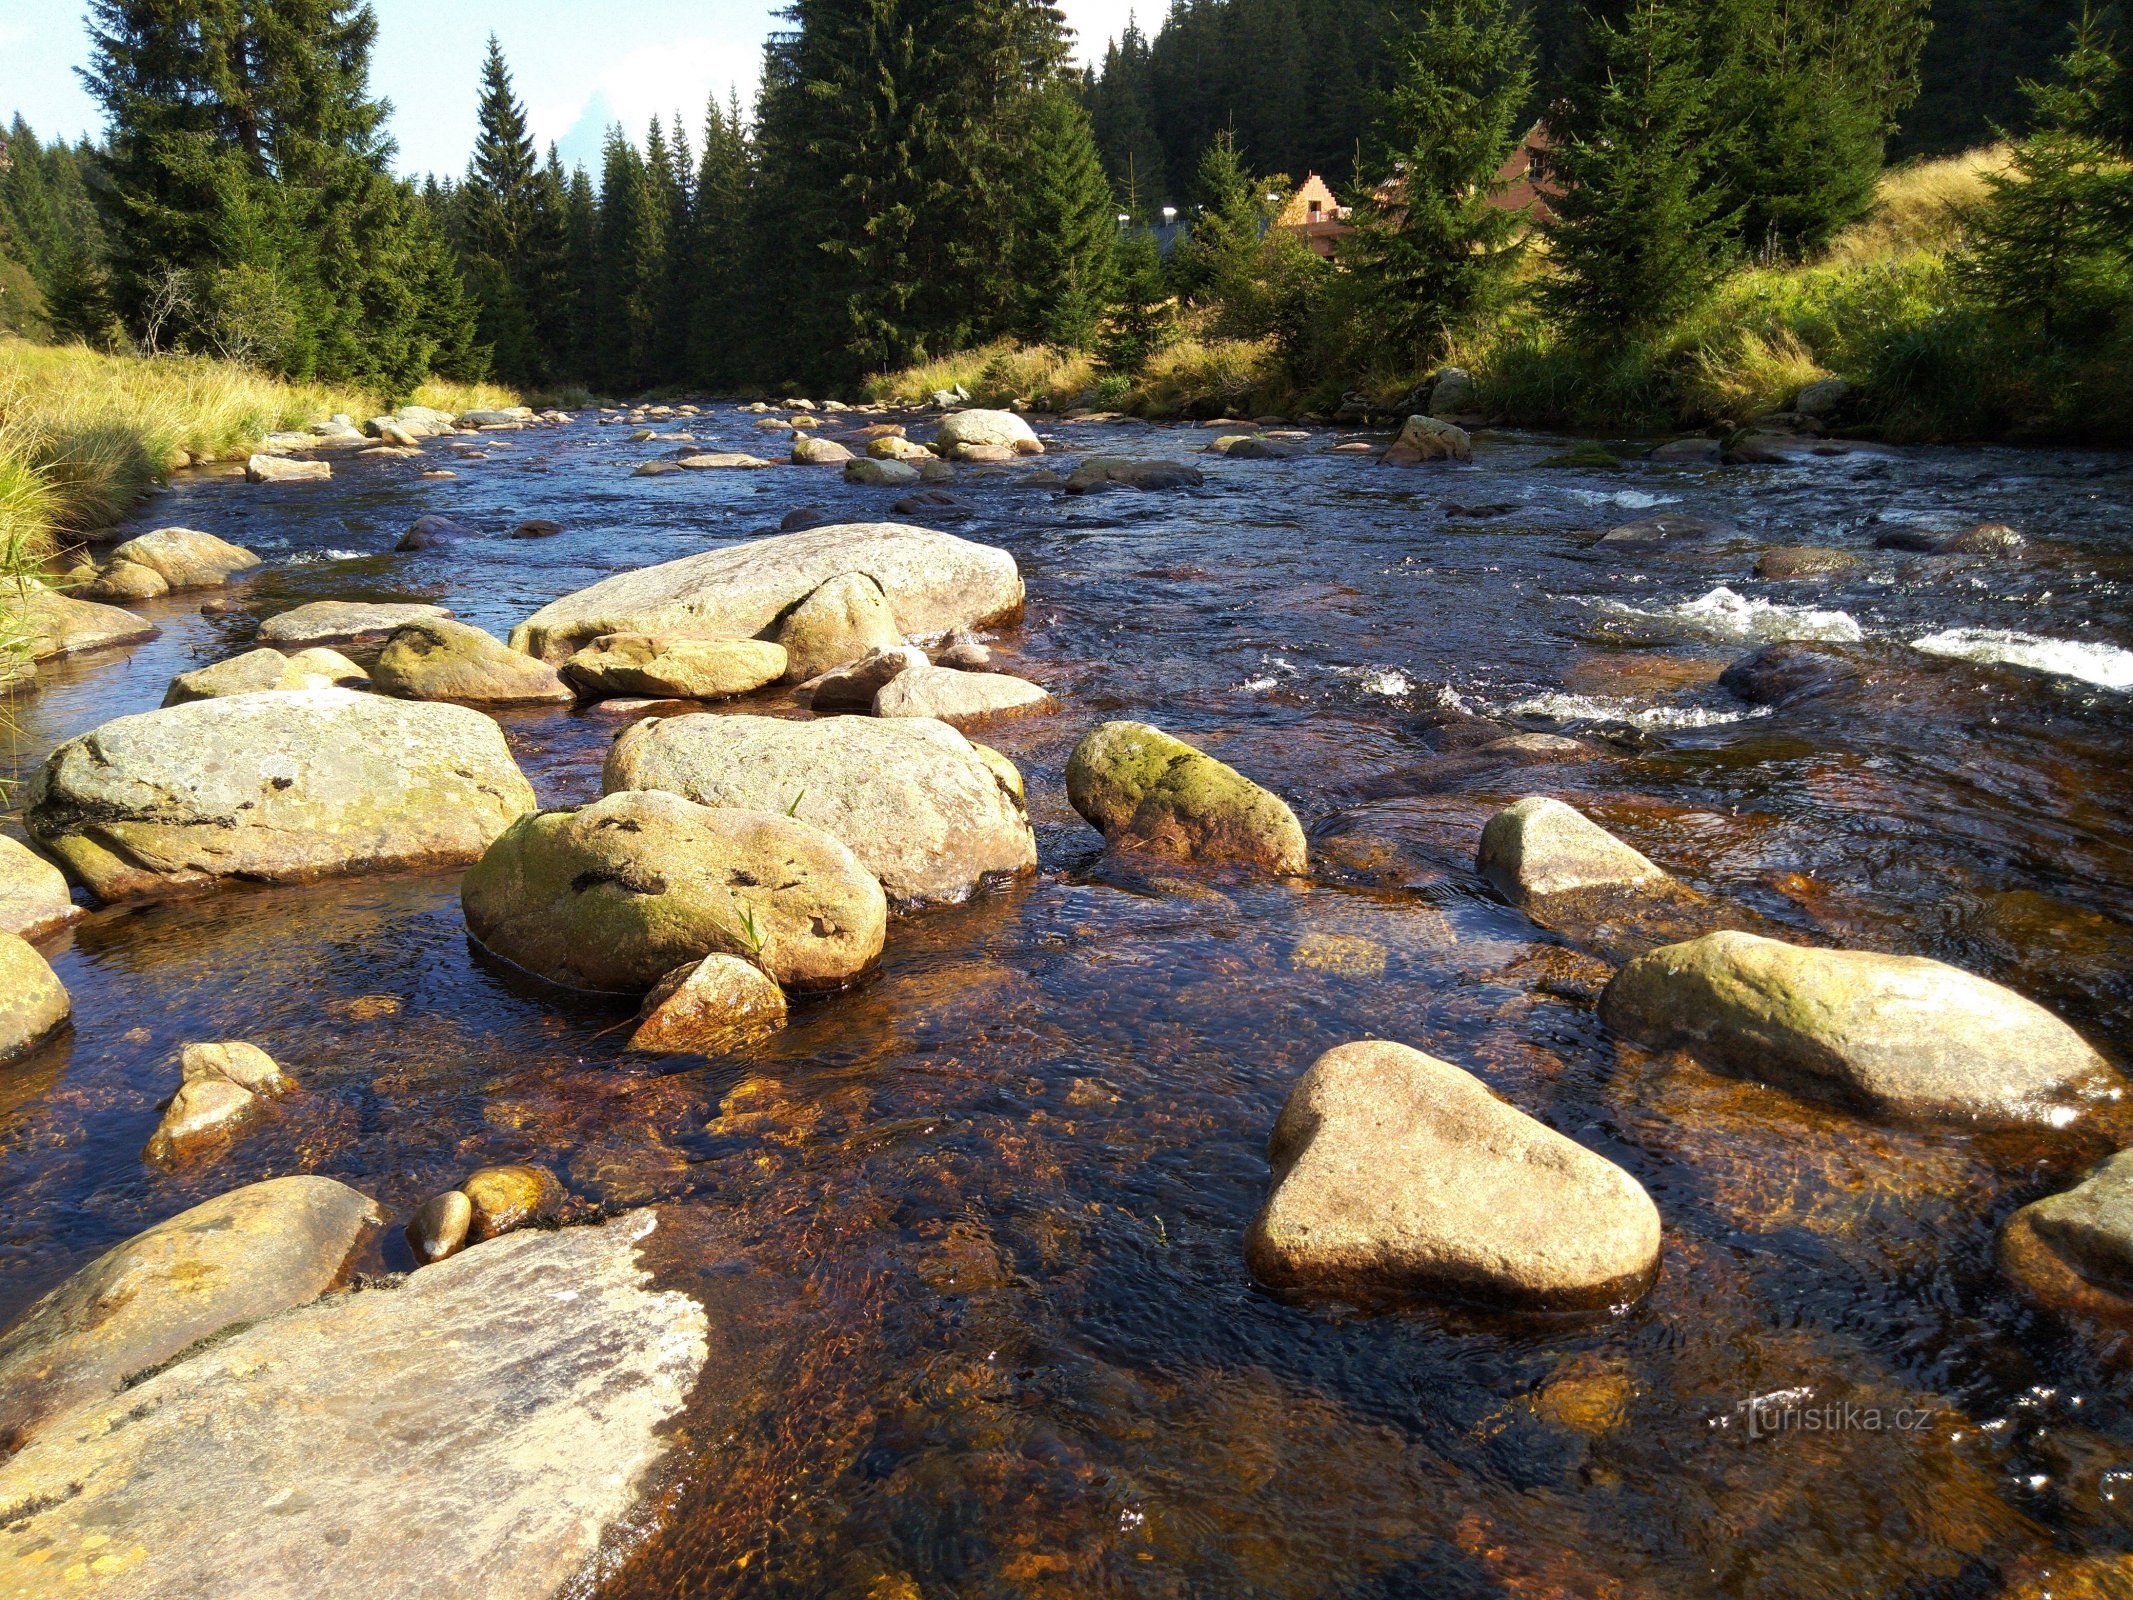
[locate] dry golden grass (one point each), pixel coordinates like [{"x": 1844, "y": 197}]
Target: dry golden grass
[
  {"x": 1920, "y": 206},
  {"x": 1002, "y": 373}
]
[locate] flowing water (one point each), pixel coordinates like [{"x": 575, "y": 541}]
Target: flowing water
[{"x": 975, "y": 1228}]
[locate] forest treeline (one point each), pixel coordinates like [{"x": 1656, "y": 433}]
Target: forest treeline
[{"x": 921, "y": 177}]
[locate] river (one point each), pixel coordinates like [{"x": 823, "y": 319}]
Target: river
[{"x": 978, "y": 1223}]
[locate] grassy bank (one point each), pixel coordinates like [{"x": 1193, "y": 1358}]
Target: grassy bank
[
  {"x": 1884, "y": 308},
  {"x": 85, "y": 436}
]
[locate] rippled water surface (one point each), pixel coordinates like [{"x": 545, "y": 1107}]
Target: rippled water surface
[{"x": 985, "y": 1214}]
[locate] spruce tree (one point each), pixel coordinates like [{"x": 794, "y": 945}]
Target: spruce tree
[
  {"x": 1432, "y": 249},
  {"x": 2052, "y": 246},
  {"x": 581, "y": 266},
  {"x": 1123, "y": 115},
  {"x": 1637, "y": 238},
  {"x": 1142, "y": 323},
  {"x": 721, "y": 269},
  {"x": 1064, "y": 226},
  {"x": 1226, "y": 219},
  {"x": 497, "y": 204}
]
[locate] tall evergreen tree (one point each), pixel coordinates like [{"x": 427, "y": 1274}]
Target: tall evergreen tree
[
  {"x": 1433, "y": 247},
  {"x": 497, "y": 206},
  {"x": 1226, "y": 218},
  {"x": 722, "y": 257},
  {"x": 246, "y": 182},
  {"x": 1637, "y": 237},
  {"x": 581, "y": 270},
  {"x": 1063, "y": 227},
  {"x": 884, "y": 124},
  {"x": 1142, "y": 323}
]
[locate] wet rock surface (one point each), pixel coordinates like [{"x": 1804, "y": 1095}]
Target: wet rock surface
[
  {"x": 1395, "y": 1171},
  {"x": 718, "y": 1004},
  {"x": 554, "y": 1360},
  {"x": 614, "y": 896},
  {"x": 282, "y": 787},
  {"x": 923, "y": 809},
  {"x": 33, "y": 1002},
  {"x": 1140, "y": 786},
  {"x": 33, "y": 892},
  {"x": 1897, "y": 1035}
]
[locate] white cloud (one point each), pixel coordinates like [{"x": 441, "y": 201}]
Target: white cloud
[{"x": 657, "y": 80}]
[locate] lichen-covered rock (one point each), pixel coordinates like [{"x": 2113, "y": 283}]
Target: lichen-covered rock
[
  {"x": 674, "y": 669},
  {"x": 236, "y": 1258},
  {"x": 483, "y": 1430},
  {"x": 33, "y": 1002},
  {"x": 895, "y": 447},
  {"x": 1139, "y": 786},
  {"x": 925, "y": 810},
  {"x": 264, "y": 669},
  {"x": 934, "y": 583},
  {"x": 614, "y": 896},
  {"x": 960, "y": 698},
  {"x": 718, "y": 1004},
  {"x": 1424, "y": 438},
  {"x": 285, "y": 469},
  {"x": 49, "y": 623},
  {"x": 809, "y": 451},
  {"x": 276, "y": 788},
  {"x": 853, "y": 686},
  {"x": 1395, "y": 1172},
  {"x": 1541, "y": 847},
  {"x": 1898, "y": 1035},
  {"x": 33, "y": 893},
  {"x": 186, "y": 558},
  {"x": 435, "y": 658},
  {"x": 358, "y": 625},
  {"x": 846, "y": 618},
  {"x": 982, "y": 427},
  {"x": 502, "y": 1200}
]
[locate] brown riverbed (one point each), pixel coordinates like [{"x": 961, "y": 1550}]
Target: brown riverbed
[{"x": 979, "y": 1222}]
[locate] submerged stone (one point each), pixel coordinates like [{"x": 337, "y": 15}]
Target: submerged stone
[
  {"x": 502, "y": 1200},
  {"x": 718, "y": 1004}
]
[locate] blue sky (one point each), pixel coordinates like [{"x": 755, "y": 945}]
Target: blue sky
[{"x": 579, "y": 64}]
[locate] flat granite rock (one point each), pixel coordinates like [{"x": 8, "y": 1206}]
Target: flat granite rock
[
  {"x": 55, "y": 624},
  {"x": 343, "y": 622},
  {"x": 277, "y": 787},
  {"x": 935, "y": 583},
  {"x": 236, "y": 1258},
  {"x": 474, "y": 1430}
]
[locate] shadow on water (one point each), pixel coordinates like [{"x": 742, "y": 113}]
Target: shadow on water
[{"x": 976, "y": 1225}]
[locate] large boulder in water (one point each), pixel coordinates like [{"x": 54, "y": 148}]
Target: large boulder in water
[
  {"x": 846, "y": 618},
  {"x": 1541, "y": 847},
  {"x": 934, "y": 582},
  {"x": 1899, "y": 1035},
  {"x": 33, "y": 1002},
  {"x": 49, "y": 623},
  {"x": 359, "y": 626},
  {"x": 275, "y": 788},
  {"x": 929, "y": 813},
  {"x": 981, "y": 429},
  {"x": 674, "y": 669},
  {"x": 236, "y": 1258},
  {"x": 2075, "y": 1250},
  {"x": 484, "y": 1429},
  {"x": 614, "y": 896},
  {"x": 186, "y": 558},
  {"x": 33, "y": 893},
  {"x": 1428, "y": 439},
  {"x": 960, "y": 699},
  {"x": 436, "y": 658},
  {"x": 1139, "y": 786},
  {"x": 1397, "y": 1172},
  {"x": 257, "y": 671}
]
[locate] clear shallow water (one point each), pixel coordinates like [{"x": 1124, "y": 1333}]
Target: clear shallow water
[{"x": 986, "y": 1213}]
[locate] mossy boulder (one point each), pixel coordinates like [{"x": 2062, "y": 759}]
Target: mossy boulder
[
  {"x": 1140, "y": 786},
  {"x": 842, "y": 620},
  {"x": 264, "y": 669},
  {"x": 1398, "y": 1173},
  {"x": 275, "y": 788},
  {"x": 435, "y": 658},
  {"x": 674, "y": 669},
  {"x": 1896, "y": 1035},
  {"x": 614, "y": 896}
]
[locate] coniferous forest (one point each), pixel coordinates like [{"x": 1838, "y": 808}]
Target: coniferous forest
[{"x": 934, "y": 177}]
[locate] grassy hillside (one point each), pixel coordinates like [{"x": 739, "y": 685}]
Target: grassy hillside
[{"x": 1884, "y": 308}]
